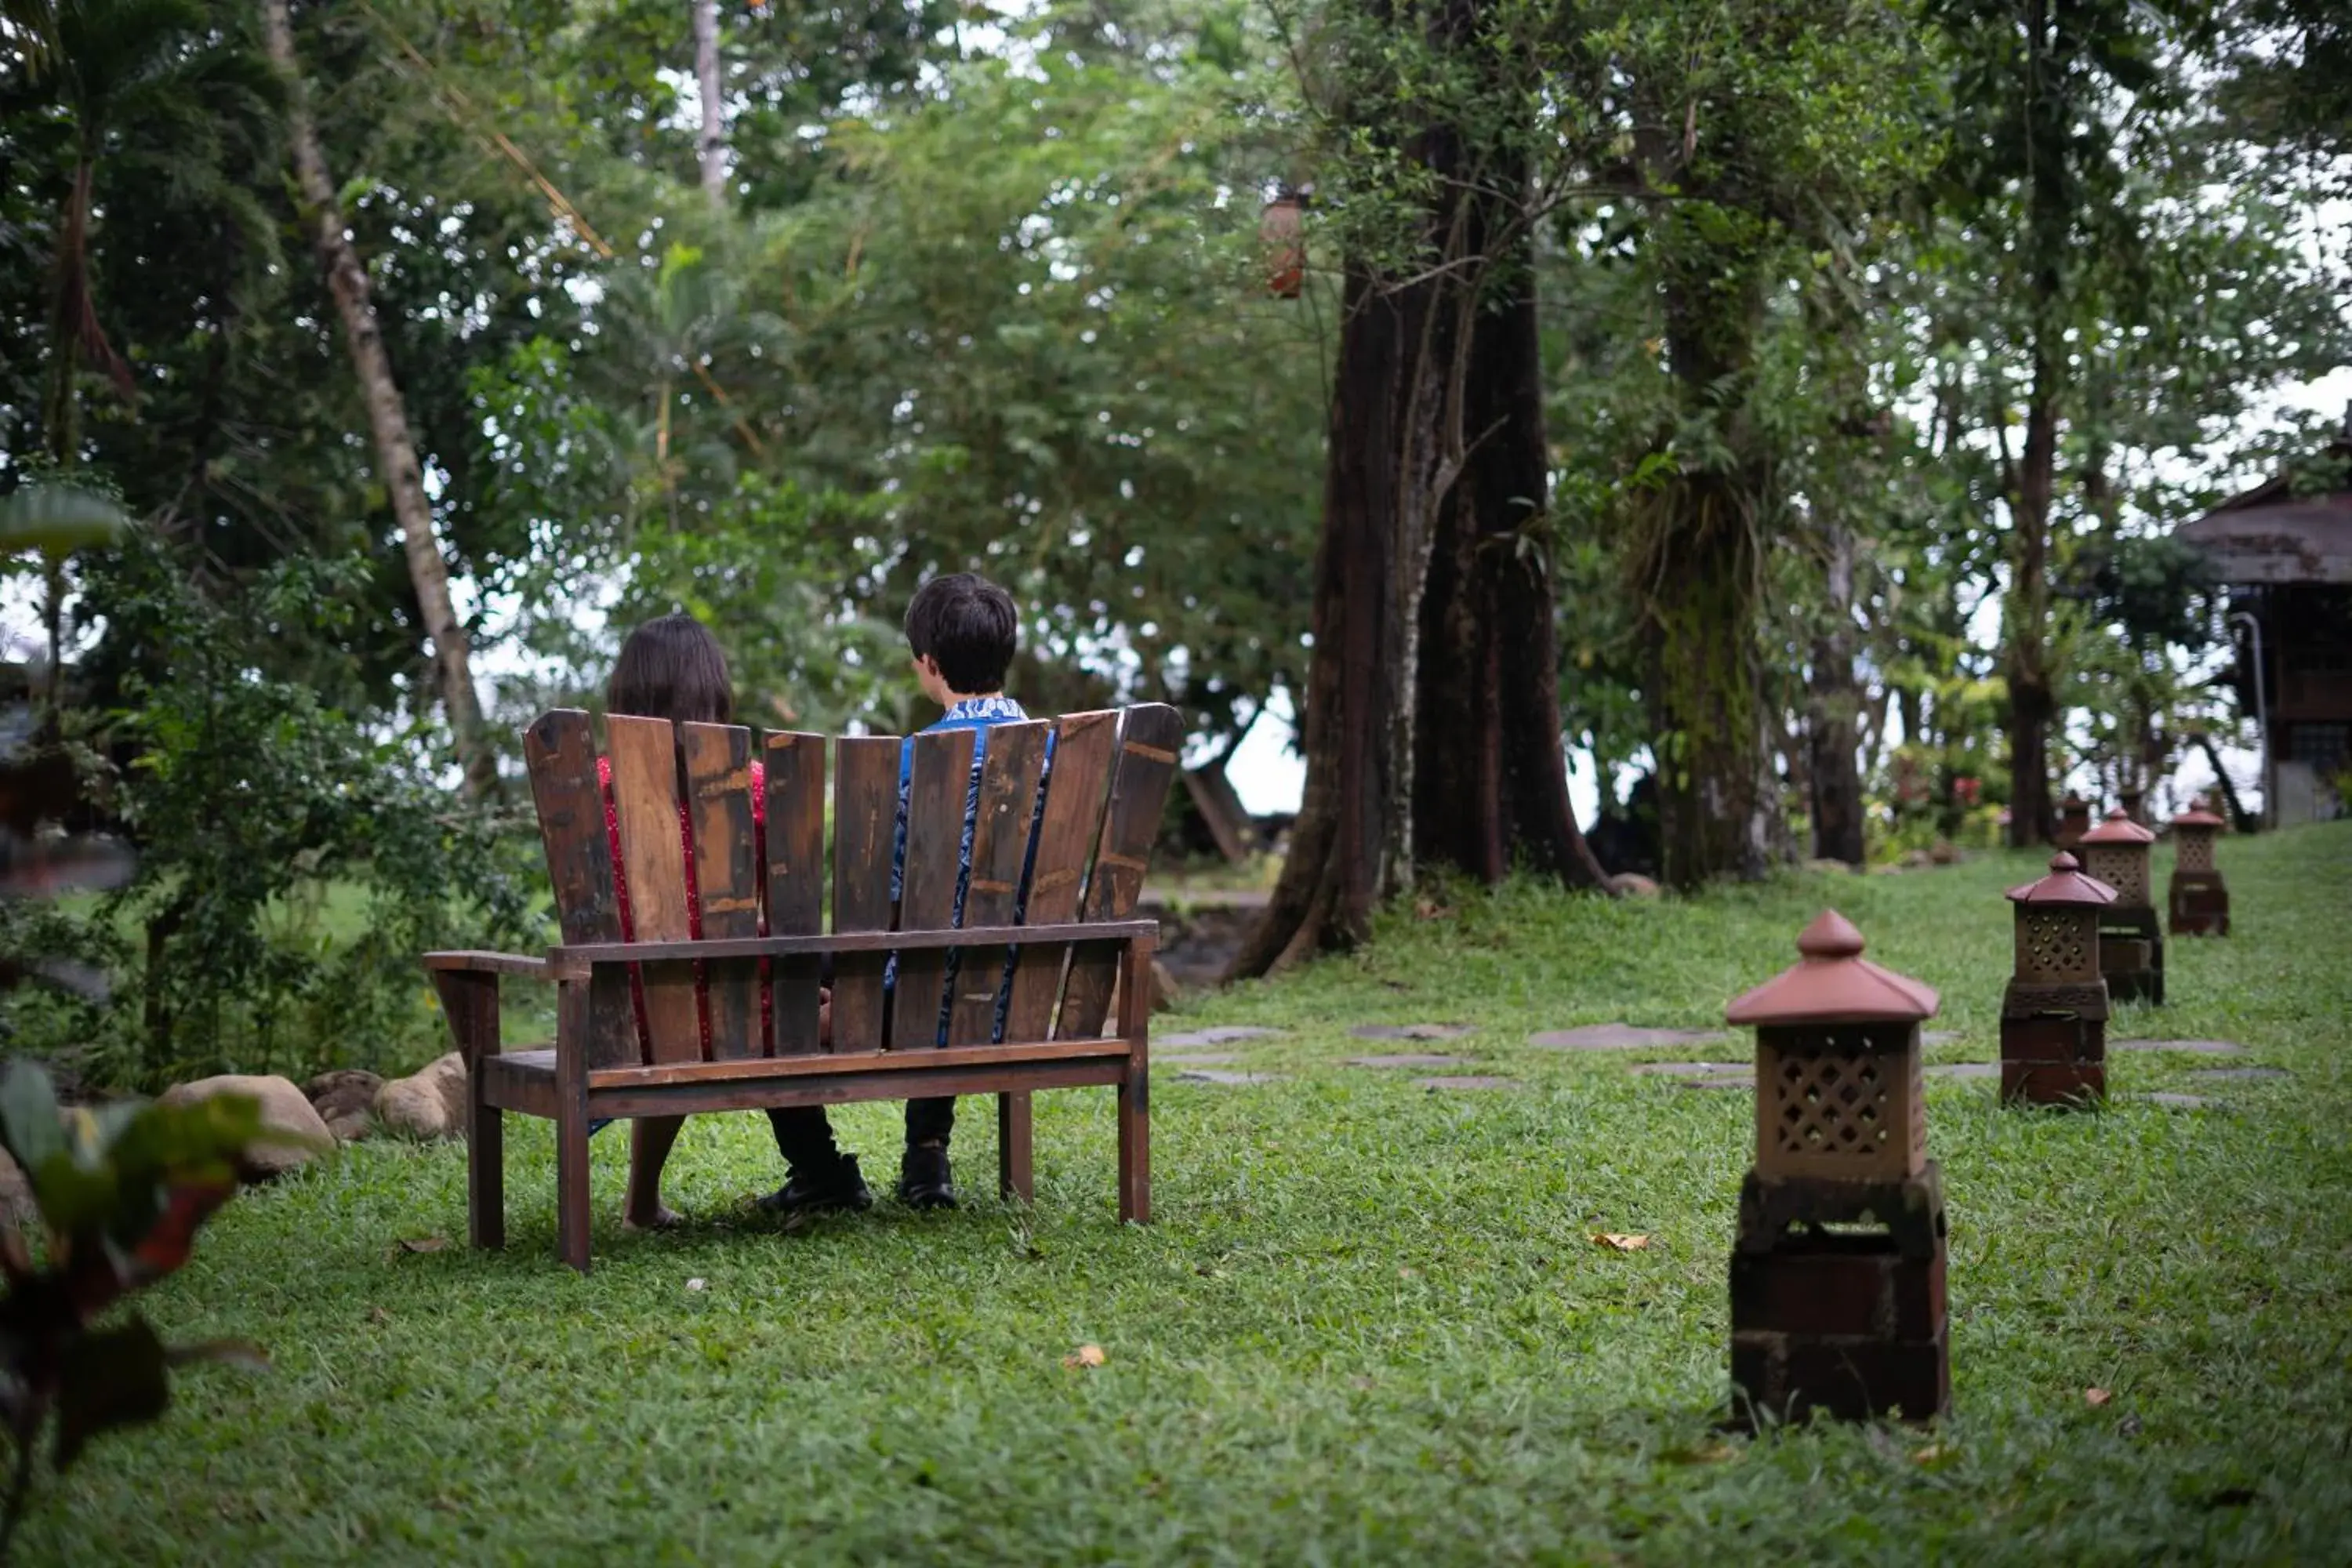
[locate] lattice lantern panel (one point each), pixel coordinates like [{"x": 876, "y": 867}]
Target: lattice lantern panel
[
  {"x": 1839, "y": 1101},
  {"x": 2195, "y": 849},
  {"x": 2124, "y": 867},
  {"x": 2057, "y": 943}
]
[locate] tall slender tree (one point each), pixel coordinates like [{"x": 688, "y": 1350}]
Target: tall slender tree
[{"x": 395, "y": 449}]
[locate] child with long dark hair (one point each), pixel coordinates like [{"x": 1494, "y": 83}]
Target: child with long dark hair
[{"x": 670, "y": 667}]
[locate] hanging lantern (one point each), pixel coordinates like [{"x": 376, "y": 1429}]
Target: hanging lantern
[{"x": 1282, "y": 230}]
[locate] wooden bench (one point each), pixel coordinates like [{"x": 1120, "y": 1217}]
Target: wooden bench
[{"x": 1110, "y": 776}]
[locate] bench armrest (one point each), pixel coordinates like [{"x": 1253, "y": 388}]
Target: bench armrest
[{"x": 487, "y": 963}]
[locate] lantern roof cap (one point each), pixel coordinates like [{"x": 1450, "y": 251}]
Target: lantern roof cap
[
  {"x": 2065, "y": 885},
  {"x": 2198, "y": 816},
  {"x": 1834, "y": 985},
  {"x": 2119, "y": 828},
  {"x": 2074, "y": 800}
]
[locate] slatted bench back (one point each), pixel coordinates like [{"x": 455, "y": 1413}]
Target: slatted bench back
[{"x": 1102, "y": 795}]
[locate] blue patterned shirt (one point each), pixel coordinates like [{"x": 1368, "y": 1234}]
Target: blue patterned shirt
[{"x": 979, "y": 715}]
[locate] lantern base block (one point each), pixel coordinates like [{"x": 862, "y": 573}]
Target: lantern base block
[
  {"x": 1852, "y": 1323},
  {"x": 2200, "y": 904},
  {"x": 2053, "y": 1061},
  {"x": 2131, "y": 955}
]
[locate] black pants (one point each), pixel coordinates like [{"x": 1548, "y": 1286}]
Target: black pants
[{"x": 804, "y": 1137}]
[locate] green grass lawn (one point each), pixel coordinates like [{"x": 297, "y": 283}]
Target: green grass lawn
[{"x": 1371, "y": 1324}]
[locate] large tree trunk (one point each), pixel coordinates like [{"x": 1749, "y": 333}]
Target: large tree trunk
[
  {"x": 1490, "y": 777},
  {"x": 1334, "y": 874},
  {"x": 387, "y": 415},
  {"x": 1432, "y": 728},
  {"x": 2025, "y": 661},
  {"x": 711, "y": 148},
  {"x": 1833, "y": 764},
  {"x": 1699, "y": 576}
]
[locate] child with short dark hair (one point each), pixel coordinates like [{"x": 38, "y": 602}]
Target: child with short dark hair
[{"x": 961, "y": 632}]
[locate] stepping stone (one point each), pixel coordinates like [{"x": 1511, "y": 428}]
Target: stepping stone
[
  {"x": 1211, "y": 1075},
  {"x": 1965, "y": 1070},
  {"x": 1721, "y": 1081},
  {"x": 1225, "y": 1034},
  {"x": 1710, "y": 1067},
  {"x": 2181, "y": 1101},
  {"x": 1938, "y": 1036},
  {"x": 2241, "y": 1072},
  {"x": 1617, "y": 1038},
  {"x": 1407, "y": 1060},
  {"x": 2191, "y": 1048},
  {"x": 1411, "y": 1031},
  {"x": 1199, "y": 1059},
  {"x": 1435, "y": 1085}
]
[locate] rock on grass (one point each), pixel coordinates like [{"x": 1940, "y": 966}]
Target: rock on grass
[{"x": 294, "y": 1133}]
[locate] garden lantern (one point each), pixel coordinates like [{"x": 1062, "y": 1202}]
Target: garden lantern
[
  {"x": 2074, "y": 820},
  {"x": 1849, "y": 1321},
  {"x": 2119, "y": 853},
  {"x": 1282, "y": 230},
  {"x": 2199, "y": 899},
  {"x": 2054, "y": 1017}
]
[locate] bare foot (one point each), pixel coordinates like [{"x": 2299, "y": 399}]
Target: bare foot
[{"x": 664, "y": 1218}]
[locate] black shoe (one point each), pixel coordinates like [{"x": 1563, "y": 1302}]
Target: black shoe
[
  {"x": 923, "y": 1179},
  {"x": 839, "y": 1187}
]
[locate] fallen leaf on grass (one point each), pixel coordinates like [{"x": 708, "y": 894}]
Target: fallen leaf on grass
[
  {"x": 1934, "y": 1453},
  {"x": 1616, "y": 1243},
  {"x": 697, "y": 1284},
  {"x": 1707, "y": 1453},
  {"x": 2095, "y": 1397},
  {"x": 423, "y": 1243},
  {"x": 378, "y": 1315},
  {"x": 1430, "y": 909},
  {"x": 1085, "y": 1355}
]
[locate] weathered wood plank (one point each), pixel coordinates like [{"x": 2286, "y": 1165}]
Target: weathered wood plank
[
  {"x": 1000, "y": 844},
  {"x": 939, "y": 783},
  {"x": 865, "y": 820},
  {"x": 726, "y": 878},
  {"x": 1149, "y": 738},
  {"x": 560, "y": 749},
  {"x": 796, "y": 871},
  {"x": 1074, "y": 796},
  {"x": 653, "y": 858}
]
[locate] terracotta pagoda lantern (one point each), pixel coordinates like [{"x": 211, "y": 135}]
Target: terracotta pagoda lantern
[
  {"x": 1849, "y": 1320},
  {"x": 2199, "y": 899},
  {"x": 1282, "y": 231},
  {"x": 2074, "y": 820},
  {"x": 2120, "y": 852},
  {"x": 2054, "y": 1017}
]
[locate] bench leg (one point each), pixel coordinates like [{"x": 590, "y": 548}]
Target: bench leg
[
  {"x": 1135, "y": 1142},
  {"x": 572, "y": 1125},
  {"x": 486, "y": 1169},
  {"x": 1016, "y": 1174}
]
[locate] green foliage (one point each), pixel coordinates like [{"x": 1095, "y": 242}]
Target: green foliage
[
  {"x": 120, "y": 1192},
  {"x": 247, "y": 796}
]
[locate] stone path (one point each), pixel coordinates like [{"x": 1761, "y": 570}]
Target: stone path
[
  {"x": 1662, "y": 1068},
  {"x": 1224, "y": 1035},
  {"x": 1938, "y": 1036},
  {"x": 1412, "y": 1031},
  {"x": 2191, "y": 1048},
  {"x": 1617, "y": 1038},
  {"x": 2241, "y": 1072},
  {"x": 2180, "y": 1102},
  {"x": 1721, "y": 1081},
  {"x": 1195, "y": 1058},
  {"x": 1211, "y": 1075},
  {"x": 1965, "y": 1070},
  {"x": 1436, "y": 1085},
  {"x": 1407, "y": 1060}
]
